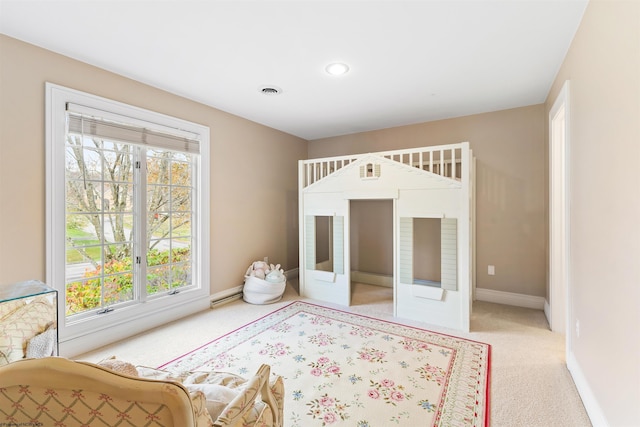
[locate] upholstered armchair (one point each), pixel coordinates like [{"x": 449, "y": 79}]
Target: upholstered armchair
[{"x": 61, "y": 392}]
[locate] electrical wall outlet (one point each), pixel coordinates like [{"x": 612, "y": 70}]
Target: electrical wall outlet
[{"x": 491, "y": 270}]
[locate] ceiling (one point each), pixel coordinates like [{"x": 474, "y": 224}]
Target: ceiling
[{"x": 410, "y": 61}]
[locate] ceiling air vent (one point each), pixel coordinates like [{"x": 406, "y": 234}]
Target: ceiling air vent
[{"x": 271, "y": 90}]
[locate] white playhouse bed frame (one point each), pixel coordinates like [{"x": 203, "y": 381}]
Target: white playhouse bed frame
[{"x": 426, "y": 182}]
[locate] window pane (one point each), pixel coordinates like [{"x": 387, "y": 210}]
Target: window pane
[
  {"x": 158, "y": 253},
  {"x": 83, "y": 163},
  {"x": 158, "y": 198},
  {"x": 83, "y": 246},
  {"x": 118, "y": 288},
  {"x": 181, "y": 173},
  {"x": 118, "y": 163},
  {"x": 83, "y": 295},
  {"x": 168, "y": 265},
  {"x": 118, "y": 197},
  {"x": 118, "y": 258},
  {"x": 181, "y": 199},
  {"x": 158, "y": 225},
  {"x": 82, "y": 270},
  {"x": 181, "y": 224},
  {"x": 181, "y": 249},
  {"x": 99, "y": 223},
  {"x": 158, "y": 167},
  {"x": 181, "y": 275},
  {"x": 81, "y": 229},
  {"x": 84, "y": 196},
  {"x": 158, "y": 280},
  {"x": 118, "y": 228},
  {"x": 169, "y": 194}
]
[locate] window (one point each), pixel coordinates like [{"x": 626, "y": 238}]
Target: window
[
  {"x": 325, "y": 243},
  {"x": 128, "y": 210},
  {"x": 429, "y": 252}
]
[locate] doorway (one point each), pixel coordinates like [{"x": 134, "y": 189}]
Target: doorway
[{"x": 371, "y": 253}]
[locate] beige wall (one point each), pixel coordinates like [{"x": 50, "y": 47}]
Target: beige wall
[
  {"x": 603, "y": 66},
  {"x": 511, "y": 198},
  {"x": 253, "y": 168},
  {"x": 371, "y": 236}
]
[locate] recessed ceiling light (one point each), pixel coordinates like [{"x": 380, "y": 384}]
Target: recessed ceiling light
[{"x": 337, "y": 68}]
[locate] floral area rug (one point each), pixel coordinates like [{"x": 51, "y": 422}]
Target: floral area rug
[{"x": 345, "y": 369}]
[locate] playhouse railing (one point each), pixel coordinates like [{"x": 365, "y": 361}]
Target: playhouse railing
[{"x": 442, "y": 160}]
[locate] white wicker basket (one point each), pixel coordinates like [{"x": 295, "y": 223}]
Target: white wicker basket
[{"x": 258, "y": 291}]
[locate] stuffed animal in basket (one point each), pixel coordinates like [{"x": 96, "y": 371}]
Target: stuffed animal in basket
[
  {"x": 258, "y": 269},
  {"x": 275, "y": 275}
]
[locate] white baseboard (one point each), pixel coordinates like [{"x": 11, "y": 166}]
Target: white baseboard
[
  {"x": 510, "y": 298},
  {"x": 489, "y": 295},
  {"x": 225, "y": 296},
  {"x": 588, "y": 399},
  {"x": 292, "y": 274},
  {"x": 372, "y": 278},
  {"x": 547, "y": 311}
]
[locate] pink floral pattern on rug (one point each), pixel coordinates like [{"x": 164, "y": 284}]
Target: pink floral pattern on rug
[{"x": 340, "y": 368}]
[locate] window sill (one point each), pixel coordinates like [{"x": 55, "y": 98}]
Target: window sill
[{"x": 88, "y": 334}]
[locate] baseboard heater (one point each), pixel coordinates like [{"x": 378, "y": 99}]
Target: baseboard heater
[{"x": 224, "y": 300}]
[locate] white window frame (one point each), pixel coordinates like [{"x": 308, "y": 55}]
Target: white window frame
[{"x": 77, "y": 336}]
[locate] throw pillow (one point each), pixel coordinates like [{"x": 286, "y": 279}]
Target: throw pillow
[
  {"x": 217, "y": 396},
  {"x": 42, "y": 345}
]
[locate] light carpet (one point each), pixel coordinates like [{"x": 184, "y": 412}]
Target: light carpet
[{"x": 346, "y": 369}]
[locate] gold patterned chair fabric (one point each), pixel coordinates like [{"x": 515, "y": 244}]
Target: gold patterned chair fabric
[{"x": 58, "y": 392}]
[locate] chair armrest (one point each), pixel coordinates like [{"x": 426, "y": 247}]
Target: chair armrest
[
  {"x": 202, "y": 417},
  {"x": 276, "y": 393},
  {"x": 258, "y": 385}
]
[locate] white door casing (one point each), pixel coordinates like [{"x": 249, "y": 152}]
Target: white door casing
[{"x": 559, "y": 213}]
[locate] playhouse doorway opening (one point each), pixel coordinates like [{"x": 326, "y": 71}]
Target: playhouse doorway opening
[{"x": 371, "y": 252}]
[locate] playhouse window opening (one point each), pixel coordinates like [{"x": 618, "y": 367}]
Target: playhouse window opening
[
  {"x": 427, "y": 256},
  {"x": 324, "y": 243}
]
